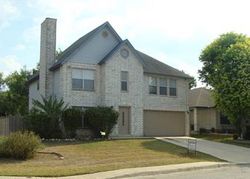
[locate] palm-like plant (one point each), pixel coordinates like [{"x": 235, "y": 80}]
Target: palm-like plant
[{"x": 53, "y": 109}]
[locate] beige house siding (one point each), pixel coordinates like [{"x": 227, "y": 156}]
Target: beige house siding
[
  {"x": 80, "y": 97},
  {"x": 207, "y": 118},
  {"x": 133, "y": 98},
  {"x": 34, "y": 93},
  {"x": 168, "y": 103}
]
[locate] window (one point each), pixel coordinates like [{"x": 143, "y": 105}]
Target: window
[
  {"x": 124, "y": 81},
  {"x": 163, "y": 86},
  {"x": 172, "y": 87},
  {"x": 152, "y": 85},
  {"x": 83, "y": 79},
  {"x": 88, "y": 79},
  {"x": 84, "y": 121}
]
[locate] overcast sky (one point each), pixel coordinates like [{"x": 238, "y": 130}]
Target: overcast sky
[{"x": 173, "y": 31}]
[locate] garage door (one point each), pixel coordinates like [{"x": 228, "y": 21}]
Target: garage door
[{"x": 164, "y": 123}]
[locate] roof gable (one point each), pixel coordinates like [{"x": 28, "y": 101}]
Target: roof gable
[
  {"x": 77, "y": 44},
  {"x": 125, "y": 42},
  {"x": 200, "y": 97}
]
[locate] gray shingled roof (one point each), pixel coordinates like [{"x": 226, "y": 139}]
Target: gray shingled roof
[
  {"x": 154, "y": 66},
  {"x": 200, "y": 97},
  {"x": 150, "y": 64}
]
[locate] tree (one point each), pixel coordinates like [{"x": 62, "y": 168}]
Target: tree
[
  {"x": 58, "y": 52},
  {"x": 18, "y": 91},
  {"x": 226, "y": 67},
  {"x": 1, "y": 81},
  {"x": 192, "y": 83},
  {"x": 52, "y": 109}
]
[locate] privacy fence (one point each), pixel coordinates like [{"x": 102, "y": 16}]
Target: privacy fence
[{"x": 10, "y": 124}]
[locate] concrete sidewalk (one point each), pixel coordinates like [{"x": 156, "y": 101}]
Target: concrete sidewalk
[
  {"x": 231, "y": 153},
  {"x": 143, "y": 171}
]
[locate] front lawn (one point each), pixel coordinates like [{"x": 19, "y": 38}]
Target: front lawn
[
  {"x": 228, "y": 139},
  {"x": 91, "y": 157}
]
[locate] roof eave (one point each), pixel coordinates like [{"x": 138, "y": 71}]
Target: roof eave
[
  {"x": 162, "y": 74},
  {"x": 33, "y": 79}
]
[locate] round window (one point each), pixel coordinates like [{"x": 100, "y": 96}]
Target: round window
[
  {"x": 124, "y": 53},
  {"x": 105, "y": 34}
]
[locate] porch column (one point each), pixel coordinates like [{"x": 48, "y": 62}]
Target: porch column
[
  {"x": 195, "y": 120},
  {"x": 187, "y": 124}
]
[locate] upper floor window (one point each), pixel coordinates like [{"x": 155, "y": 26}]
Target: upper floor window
[
  {"x": 152, "y": 85},
  {"x": 83, "y": 79},
  {"x": 172, "y": 87},
  {"x": 124, "y": 80},
  {"x": 163, "y": 86}
]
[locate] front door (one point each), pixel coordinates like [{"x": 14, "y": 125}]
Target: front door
[{"x": 123, "y": 121}]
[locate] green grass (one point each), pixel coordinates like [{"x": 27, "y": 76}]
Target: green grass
[
  {"x": 91, "y": 157},
  {"x": 228, "y": 139}
]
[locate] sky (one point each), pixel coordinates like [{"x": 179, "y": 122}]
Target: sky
[{"x": 172, "y": 31}]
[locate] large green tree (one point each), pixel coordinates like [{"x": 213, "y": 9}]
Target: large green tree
[
  {"x": 226, "y": 67},
  {"x": 14, "y": 92}
]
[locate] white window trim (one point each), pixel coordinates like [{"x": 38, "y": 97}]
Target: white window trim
[
  {"x": 152, "y": 85},
  {"x": 82, "y": 69},
  {"x": 158, "y": 86},
  {"x": 175, "y": 87},
  {"x": 124, "y": 91}
]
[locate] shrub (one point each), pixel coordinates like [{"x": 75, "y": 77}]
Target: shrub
[
  {"x": 72, "y": 119},
  {"x": 20, "y": 145},
  {"x": 102, "y": 119},
  {"x": 246, "y": 134},
  {"x": 43, "y": 125},
  {"x": 235, "y": 136},
  {"x": 203, "y": 131}
]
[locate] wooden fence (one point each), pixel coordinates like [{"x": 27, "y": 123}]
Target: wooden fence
[{"x": 10, "y": 124}]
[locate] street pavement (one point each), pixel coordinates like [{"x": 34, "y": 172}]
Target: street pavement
[{"x": 232, "y": 172}]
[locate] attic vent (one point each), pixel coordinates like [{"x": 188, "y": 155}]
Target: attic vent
[
  {"x": 105, "y": 34},
  {"x": 124, "y": 53}
]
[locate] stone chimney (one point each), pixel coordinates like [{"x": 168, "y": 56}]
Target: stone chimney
[{"x": 47, "y": 55}]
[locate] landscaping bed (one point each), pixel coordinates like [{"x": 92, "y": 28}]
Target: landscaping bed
[{"x": 97, "y": 156}]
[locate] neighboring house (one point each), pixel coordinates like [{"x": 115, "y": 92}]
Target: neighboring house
[
  {"x": 203, "y": 112},
  {"x": 102, "y": 69}
]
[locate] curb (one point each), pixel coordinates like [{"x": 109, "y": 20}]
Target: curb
[
  {"x": 167, "y": 171},
  {"x": 144, "y": 171},
  {"x": 148, "y": 171}
]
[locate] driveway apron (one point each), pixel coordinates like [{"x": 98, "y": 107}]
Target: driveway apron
[{"x": 227, "y": 152}]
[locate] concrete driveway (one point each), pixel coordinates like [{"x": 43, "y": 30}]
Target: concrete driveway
[{"x": 227, "y": 152}]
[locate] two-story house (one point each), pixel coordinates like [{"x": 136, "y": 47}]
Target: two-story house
[{"x": 101, "y": 69}]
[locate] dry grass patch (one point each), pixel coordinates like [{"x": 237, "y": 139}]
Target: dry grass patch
[{"x": 90, "y": 157}]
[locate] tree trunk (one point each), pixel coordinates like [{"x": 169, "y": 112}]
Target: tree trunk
[{"x": 62, "y": 127}]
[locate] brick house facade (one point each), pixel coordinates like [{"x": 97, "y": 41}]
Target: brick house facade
[{"x": 101, "y": 69}]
